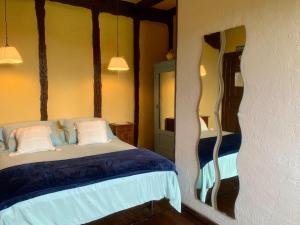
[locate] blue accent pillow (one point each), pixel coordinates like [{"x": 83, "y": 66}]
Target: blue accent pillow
[
  {"x": 71, "y": 133},
  {"x": 2, "y": 145},
  {"x": 1, "y": 135},
  {"x": 57, "y": 135}
]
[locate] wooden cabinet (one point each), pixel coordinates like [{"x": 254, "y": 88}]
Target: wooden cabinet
[{"x": 124, "y": 131}]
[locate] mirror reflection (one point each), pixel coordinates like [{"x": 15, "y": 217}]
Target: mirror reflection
[
  {"x": 167, "y": 100},
  {"x": 164, "y": 110},
  {"x": 209, "y": 96},
  {"x": 234, "y": 43}
]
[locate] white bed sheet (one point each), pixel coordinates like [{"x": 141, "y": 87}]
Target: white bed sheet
[
  {"x": 227, "y": 166},
  {"x": 88, "y": 203}
]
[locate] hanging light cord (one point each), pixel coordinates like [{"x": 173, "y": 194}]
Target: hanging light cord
[
  {"x": 118, "y": 2},
  {"x": 5, "y": 22}
]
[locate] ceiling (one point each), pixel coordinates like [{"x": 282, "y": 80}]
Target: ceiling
[
  {"x": 165, "y": 4},
  {"x": 132, "y": 1}
]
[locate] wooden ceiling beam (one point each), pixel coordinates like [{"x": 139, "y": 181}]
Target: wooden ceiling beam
[
  {"x": 125, "y": 9},
  {"x": 173, "y": 11},
  {"x": 148, "y": 3}
]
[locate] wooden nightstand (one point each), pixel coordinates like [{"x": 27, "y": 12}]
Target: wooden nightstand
[{"x": 124, "y": 131}]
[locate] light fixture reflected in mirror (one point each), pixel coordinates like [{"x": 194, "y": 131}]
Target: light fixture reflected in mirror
[
  {"x": 203, "y": 72},
  {"x": 8, "y": 55}
]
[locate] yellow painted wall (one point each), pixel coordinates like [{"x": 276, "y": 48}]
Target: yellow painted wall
[
  {"x": 210, "y": 87},
  {"x": 71, "y": 94},
  {"x": 154, "y": 46},
  {"x": 167, "y": 97},
  {"x": 19, "y": 84},
  {"x": 118, "y": 89},
  {"x": 70, "y": 61},
  {"x": 70, "y": 66}
]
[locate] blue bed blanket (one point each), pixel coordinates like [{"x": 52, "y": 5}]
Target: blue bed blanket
[
  {"x": 230, "y": 144},
  {"x": 23, "y": 182}
]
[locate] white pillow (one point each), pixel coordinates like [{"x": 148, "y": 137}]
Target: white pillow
[
  {"x": 91, "y": 132},
  {"x": 33, "y": 139},
  {"x": 203, "y": 125}
]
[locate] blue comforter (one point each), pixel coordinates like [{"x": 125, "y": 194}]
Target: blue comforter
[
  {"x": 230, "y": 144},
  {"x": 27, "y": 181}
]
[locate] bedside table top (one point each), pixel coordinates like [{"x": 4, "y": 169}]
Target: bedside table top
[{"x": 121, "y": 124}]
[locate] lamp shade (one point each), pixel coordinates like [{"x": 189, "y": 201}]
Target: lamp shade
[
  {"x": 118, "y": 64},
  {"x": 10, "y": 55}
]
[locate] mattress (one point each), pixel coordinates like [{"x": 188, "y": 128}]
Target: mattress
[{"x": 82, "y": 204}]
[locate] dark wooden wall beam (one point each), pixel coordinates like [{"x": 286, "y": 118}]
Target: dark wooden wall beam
[
  {"x": 148, "y": 3},
  {"x": 171, "y": 32},
  {"x": 136, "y": 65},
  {"x": 97, "y": 64},
  {"x": 79, "y": 3},
  {"x": 43, "y": 69},
  {"x": 125, "y": 9},
  {"x": 151, "y": 14},
  {"x": 173, "y": 11}
]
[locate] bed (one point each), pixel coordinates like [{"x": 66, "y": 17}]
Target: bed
[
  {"x": 81, "y": 184},
  {"x": 228, "y": 152}
]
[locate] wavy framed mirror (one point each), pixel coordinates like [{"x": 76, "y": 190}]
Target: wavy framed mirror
[{"x": 222, "y": 89}]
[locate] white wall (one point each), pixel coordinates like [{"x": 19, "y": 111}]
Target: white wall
[{"x": 269, "y": 160}]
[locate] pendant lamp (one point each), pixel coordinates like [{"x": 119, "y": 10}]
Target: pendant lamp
[
  {"x": 118, "y": 63},
  {"x": 8, "y": 54}
]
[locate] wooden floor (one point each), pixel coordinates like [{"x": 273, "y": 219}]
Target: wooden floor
[{"x": 163, "y": 215}]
